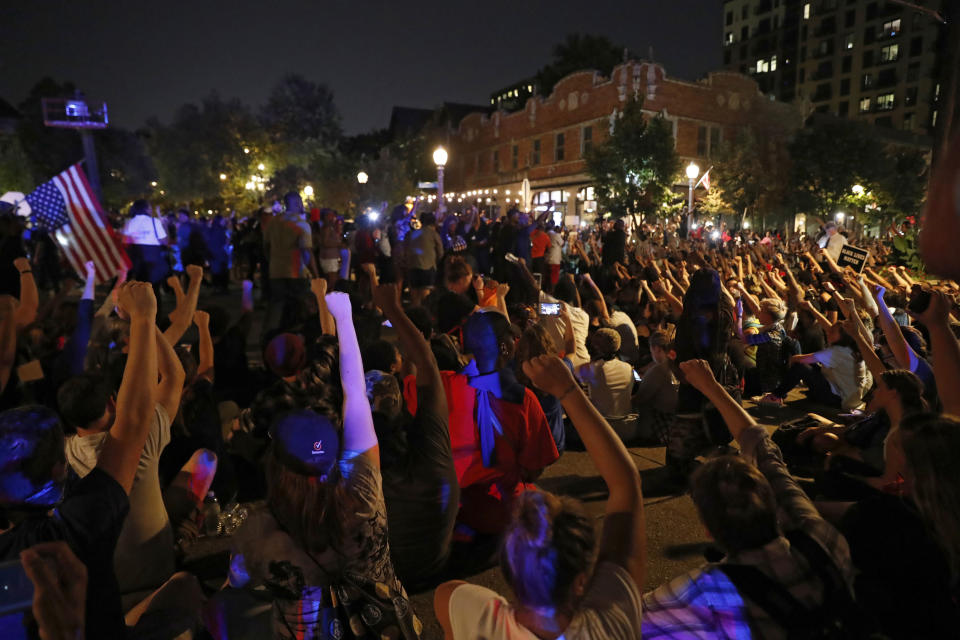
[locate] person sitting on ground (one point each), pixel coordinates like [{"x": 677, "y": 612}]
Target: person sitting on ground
[
  {"x": 505, "y": 442},
  {"x": 89, "y": 519},
  {"x": 565, "y": 583},
  {"x": 144, "y": 554},
  {"x": 738, "y": 500},
  {"x": 655, "y": 397},
  {"x": 419, "y": 479},
  {"x": 835, "y": 376},
  {"x": 323, "y": 530},
  {"x": 610, "y": 383}
]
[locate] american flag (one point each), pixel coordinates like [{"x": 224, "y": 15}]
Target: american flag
[{"x": 67, "y": 208}]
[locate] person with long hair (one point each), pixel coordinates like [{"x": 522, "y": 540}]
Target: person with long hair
[
  {"x": 565, "y": 583},
  {"x": 323, "y": 532},
  {"x": 703, "y": 332},
  {"x": 906, "y": 547}
]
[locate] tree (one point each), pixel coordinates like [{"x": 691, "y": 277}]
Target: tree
[
  {"x": 634, "y": 169},
  {"x": 748, "y": 178},
  {"x": 829, "y": 157},
  {"x": 302, "y": 121},
  {"x": 201, "y": 142},
  {"x": 576, "y": 53},
  {"x": 15, "y": 173}
]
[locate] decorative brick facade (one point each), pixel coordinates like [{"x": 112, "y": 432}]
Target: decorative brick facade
[{"x": 491, "y": 155}]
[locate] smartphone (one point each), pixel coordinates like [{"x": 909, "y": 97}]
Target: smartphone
[
  {"x": 549, "y": 308},
  {"x": 636, "y": 376},
  {"x": 16, "y": 598},
  {"x": 538, "y": 278}
]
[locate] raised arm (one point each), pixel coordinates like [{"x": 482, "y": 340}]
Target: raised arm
[
  {"x": 205, "y": 345},
  {"x": 136, "y": 400},
  {"x": 359, "y": 437},
  {"x": 171, "y": 376},
  {"x": 946, "y": 363},
  {"x": 318, "y": 286},
  {"x": 430, "y": 391},
  {"x": 596, "y": 290},
  {"x": 905, "y": 356},
  {"x": 182, "y": 316},
  {"x": 569, "y": 337},
  {"x": 624, "y": 535},
  {"x": 29, "y": 296}
]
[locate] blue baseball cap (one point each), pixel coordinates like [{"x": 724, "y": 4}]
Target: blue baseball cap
[{"x": 306, "y": 442}]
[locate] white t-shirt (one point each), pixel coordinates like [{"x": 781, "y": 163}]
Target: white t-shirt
[
  {"x": 611, "y": 386},
  {"x": 835, "y": 245},
  {"x": 144, "y": 230},
  {"x": 848, "y": 377},
  {"x": 556, "y": 328},
  {"x": 144, "y": 555},
  {"x": 609, "y": 611},
  {"x": 555, "y": 251},
  {"x": 629, "y": 342}
]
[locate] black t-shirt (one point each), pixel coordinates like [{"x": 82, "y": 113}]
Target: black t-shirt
[
  {"x": 89, "y": 520},
  {"x": 422, "y": 498}
]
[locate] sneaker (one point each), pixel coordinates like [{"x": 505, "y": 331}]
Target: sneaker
[{"x": 771, "y": 400}]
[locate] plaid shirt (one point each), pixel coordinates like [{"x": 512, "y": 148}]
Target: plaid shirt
[{"x": 705, "y": 604}]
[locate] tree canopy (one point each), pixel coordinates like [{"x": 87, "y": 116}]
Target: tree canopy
[
  {"x": 635, "y": 167},
  {"x": 576, "y": 53}
]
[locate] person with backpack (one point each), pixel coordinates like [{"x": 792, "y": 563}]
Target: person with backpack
[{"x": 782, "y": 577}]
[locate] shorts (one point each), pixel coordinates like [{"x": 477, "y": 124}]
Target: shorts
[
  {"x": 330, "y": 265},
  {"x": 422, "y": 278}
]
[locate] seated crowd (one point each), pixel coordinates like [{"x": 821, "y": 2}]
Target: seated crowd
[{"x": 385, "y": 449}]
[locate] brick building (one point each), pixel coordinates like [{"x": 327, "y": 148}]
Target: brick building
[{"x": 491, "y": 154}]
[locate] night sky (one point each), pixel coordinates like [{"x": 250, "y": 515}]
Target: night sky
[{"x": 146, "y": 58}]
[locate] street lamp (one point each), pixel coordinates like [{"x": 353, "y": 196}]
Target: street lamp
[
  {"x": 440, "y": 159},
  {"x": 858, "y": 189},
  {"x": 223, "y": 176},
  {"x": 362, "y": 177},
  {"x": 840, "y": 216},
  {"x": 260, "y": 167},
  {"x": 308, "y": 191},
  {"x": 692, "y": 172}
]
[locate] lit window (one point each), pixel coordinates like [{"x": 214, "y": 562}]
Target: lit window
[
  {"x": 530, "y": 88},
  {"x": 766, "y": 66},
  {"x": 773, "y": 63},
  {"x": 806, "y": 11},
  {"x": 891, "y": 27},
  {"x": 885, "y": 102},
  {"x": 864, "y": 105},
  {"x": 729, "y": 38},
  {"x": 890, "y": 53},
  {"x": 759, "y": 66},
  {"x": 849, "y": 41}
]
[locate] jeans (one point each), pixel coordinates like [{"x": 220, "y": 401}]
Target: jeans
[{"x": 812, "y": 376}]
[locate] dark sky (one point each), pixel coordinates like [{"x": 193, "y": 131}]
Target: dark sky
[{"x": 147, "y": 57}]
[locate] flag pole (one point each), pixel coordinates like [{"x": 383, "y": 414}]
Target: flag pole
[{"x": 703, "y": 176}]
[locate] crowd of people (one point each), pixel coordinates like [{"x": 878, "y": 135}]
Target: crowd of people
[{"x": 414, "y": 374}]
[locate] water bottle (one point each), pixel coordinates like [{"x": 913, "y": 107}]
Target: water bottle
[{"x": 211, "y": 515}]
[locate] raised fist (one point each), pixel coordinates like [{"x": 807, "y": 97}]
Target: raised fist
[{"x": 137, "y": 300}]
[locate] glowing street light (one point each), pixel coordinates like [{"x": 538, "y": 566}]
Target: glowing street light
[
  {"x": 440, "y": 159},
  {"x": 858, "y": 189},
  {"x": 246, "y": 149},
  {"x": 223, "y": 176},
  {"x": 362, "y": 177},
  {"x": 153, "y": 183},
  {"x": 261, "y": 167},
  {"x": 308, "y": 191},
  {"x": 840, "y": 215}
]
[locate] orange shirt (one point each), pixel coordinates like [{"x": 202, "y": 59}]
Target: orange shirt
[{"x": 539, "y": 243}]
